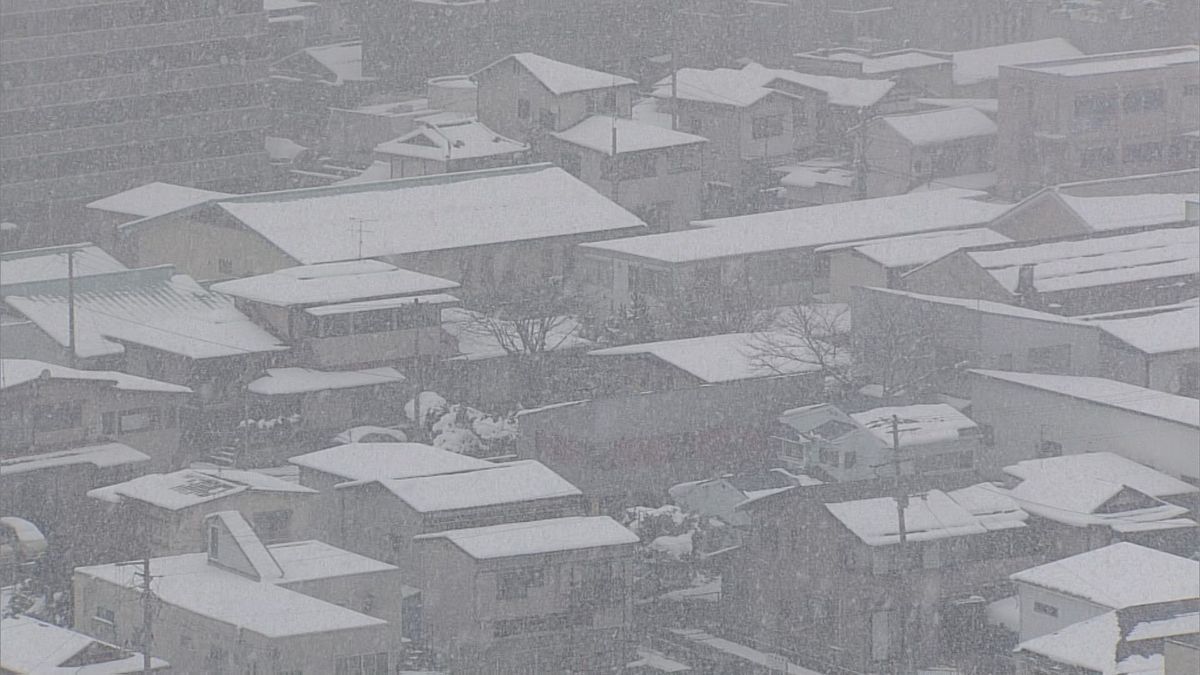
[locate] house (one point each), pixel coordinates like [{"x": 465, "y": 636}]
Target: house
[
  {"x": 1072, "y": 276},
  {"x": 525, "y": 95},
  {"x": 1117, "y": 577},
  {"x": 476, "y": 228},
  {"x": 1089, "y": 500},
  {"x": 827, "y": 573},
  {"x": 653, "y": 172},
  {"x": 946, "y": 146},
  {"x": 64, "y": 431},
  {"x": 243, "y": 605},
  {"x": 773, "y": 254},
  {"x": 143, "y": 201},
  {"x": 448, "y": 142},
  {"x": 388, "y": 513},
  {"x": 304, "y": 85},
  {"x": 1096, "y": 116},
  {"x": 1156, "y": 347},
  {"x": 1181, "y": 654},
  {"x": 1109, "y": 24},
  {"x": 32, "y": 646},
  {"x": 816, "y": 181},
  {"x": 916, "y": 72},
  {"x": 164, "y": 512},
  {"x": 548, "y": 595},
  {"x": 1036, "y": 415},
  {"x": 883, "y": 262},
  {"x": 722, "y": 497},
  {"x": 56, "y": 262},
  {"x": 1125, "y": 641},
  {"x": 977, "y": 71}
]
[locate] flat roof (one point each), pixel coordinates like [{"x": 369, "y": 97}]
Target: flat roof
[
  {"x": 190, "y": 487},
  {"x": 14, "y": 372},
  {"x": 154, "y": 199},
  {"x": 538, "y": 536},
  {"x": 972, "y": 66},
  {"x": 917, "y": 249},
  {"x": 520, "y": 481},
  {"x": 297, "y": 380},
  {"x": 327, "y": 283},
  {"x": 598, "y": 131},
  {"x": 100, "y": 456},
  {"x": 1117, "y": 212},
  {"x": 944, "y": 125},
  {"x": 42, "y": 264},
  {"x": 929, "y": 516},
  {"x": 1116, "y": 62},
  {"x": 724, "y": 358},
  {"x": 32, "y": 646},
  {"x": 373, "y": 461}
]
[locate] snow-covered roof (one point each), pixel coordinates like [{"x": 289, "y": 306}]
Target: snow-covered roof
[
  {"x": 190, "y": 487},
  {"x": 811, "y": 227},
  {"x": 1112, "y": 393},
  {"x": 295, "y": 380},
  {"x": 344, "y": 60},
  {"x": 372, "y": 461},
  {"x": 748, "y": 85},
  {"x": 332, "y": 282},
  {"x": 972, "y": 66},
  {"x": 1098, "y": 261},
  {"x": 152, "y": 307},
  {"x": 940, "y": 126},
  {"x": 1117, "y": 212},
  {"x": 596, "y": 133},
  {"x": 476, "y": 341},
  {"x": 1093, "y": 645},
  {"x": 929, "y": 516},
  {"x": 382, "y": 303},
  {"x": 724, "y": 358},
  {"x": 154, "y": 199},
  {"x": 917, "y": 249},
  {"x": 813, "y": 173},
  {"x": 100, "y": 456},
  {"x": 743, "y": 655},
  {"x": 920, "y": 424},
  {"x": 563, "y": 78},
  {"x": 32, "y": 646},
  {"x": 1106, "y": 466},
  {"x": 1116, "y": 62},
  {"x": 538, "y": 536},
  {"x": 1119, "y": 575},
  {"x": 983, "y": 306},
  {"x": 1154, "y": 330},
  {"x": 14, "y": 372},
  {"x": 520, "y": 481},
  {"x": 890, "y": 63},
  {"x": 460, "y": 139},
  {"x": 281, "y": 149},
  {"x": 429, "y": 213},
  {"x": 647, "y": 111},
  {"x": 40, "y": 264},
  {"x": 1182, "y": 624},
  {"x": 990, "y": 106},
  {"x": 967, "y": 181},
  {"x": 376, "y": 170}
]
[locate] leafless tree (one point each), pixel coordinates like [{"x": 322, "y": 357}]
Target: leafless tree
[
  {"x": 816, "y": 335},
  {"x": 529, "y": 319}
]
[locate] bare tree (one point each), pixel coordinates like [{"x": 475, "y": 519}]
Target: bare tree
[
  {"x": 816, "y": 335},
  {"x": 528, "y": 319},
  {"x": 713, "y": 309}
]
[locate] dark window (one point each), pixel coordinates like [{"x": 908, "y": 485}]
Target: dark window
[
  {"x": 523, "y": 108},
  {"x": 515, "y": 584},
  {"x": 224, "y": 266},
  {"x": 138, "y": 419},
  {"x": 1043, "y": 608},
  {"x": 1144, "y": 100},
  {"x": 272, "y": 526},
  {"x": 1095, "y": 105},
  {"x": 767, "y": 126},
  {"x": 1191, "y": 90},
  {"x": 378, "y": 321}
]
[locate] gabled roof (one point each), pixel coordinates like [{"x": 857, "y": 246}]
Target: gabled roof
[
  {"x": 1118, "y": 576},
  {"x": 917, "y": 249},
  {"x": 562, "y": 78},
  {"x": 940, "y": 126},
  {"x": 1118, "y": 212},
  {"x": 919, "y": 424},
  {"x": 154, "y": 199},
  {"x": 539, "y": 536},
  {"x": 972, "y": 66},
  {"x": 725, "y": 358},
  {"x": 32, "y": 646},
  {"x": 521, "y": 481},
  {"x": 598, "y": 131},
  {"x": 981, "y": 306},
  {"x": 1106, "y": 466},
  {"x": 461, "y": 139},
  {"x": 373, "y": 461},
  {"x": 747, "y": 85},
  {"x": 343, "y": 60},
  {"x": 332, "y": 282},
  {"x": 1154, "y": 330},
  {"x": 192, "y": 487},
  {"x": 889, "y": 62},
  {"x": 929, "y": 516},
  {"x": 40, "y": 264},
  {"x": 15, "y": 372},
  {"x": 100, "y": 456},
  {"x": 296, "y": 380},
  {"x": 1094, "y": 645}
]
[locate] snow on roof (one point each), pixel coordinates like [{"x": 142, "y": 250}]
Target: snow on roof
[
  {"x": 284, "y": 381},
  {"x": 1116, "y": 62},
  {"x": 382, "y": 303},
  {"x": 281, "y": 149},
  {"x": 520, "y": 481},
  {"x": 990, "y": 106},
  {"x": 917, "y": 249},
  {"x": 371, "y": 461},
  {"x": 723, "y": 358},
  {"x": 152, "y": 307},
  {"x": 747, "y": 85},
  {"x": 41, "y": 264},
  {"x": 430, "y": 213},
  {"x": 967, "y": 181},
  {"x": 811, "y": 174},
  {"x": 377, "y": 170},
  {"x": 563, "y": 78},
  {"x": 774, "y": 663},
  {"x": 1154, "y": 330},
  {"x": 476, "y": 341},
  {"x": 14, "y": 372},
  {"x": 929, "y": 516},
  {"x": 596, "y": 133},
  {"x": 1133, "y": 398},
  {"x": 460, "y": 139},
  {"x": 1183, "y": 624},
  {"x": 1119, "y": 575},
  {"x": 310, "y": 560},
  {"x": 842, "y": 91},
  {"x": 984, "y": 306},
  {"x": 539, "y": 536},
  {"x": 154, "y": 199},
  {"x": 1105, "y": 466},
  {"x": 332, "y": 282},
  {"x": 811, "y": 227},
  {"x": 919, "y": 424},
  {"x": 191, "y": 487},
  {"x": 973, "y": 66},
  {"x": 940, "y": 126},
  {"x": 100, "y": 456},
  {"x": 1092, "y": 645},
  {"x": 32, "y": 646},
  {"x": 1098, "y": 261},
  {"x": 647, "y": 111},
  {"x": 890, "y": 63},
  {"x": 1118, "y": 212},
  {"x": 343, "y": 59}
]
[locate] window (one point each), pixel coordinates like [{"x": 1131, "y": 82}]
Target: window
[
  {"x": 1143, "y": 152},
  {"x": 224, "y": 266},
  {"x": 849, "y": 459},
  {"x": 523, "y": 108},
  {"x": 708, "y": 276},
  {"x": 767, "y": 126},
  {"x": 696, "y": 126},
  {"x": 652, "y": 282},
  {"x": 1097, "y": 157},
  {"x": 515, "y": 584},
  {"x": 571, "y": 163},
  {"x": 548, "y": 267},
  {"x": 362, "y": 664},
  {"x": 1052, "y": 359},
  {"x": 598, "y": 272},
  {"x": 799, "y": 115},
  {"x": 137, "y": 419},
  {"x": 1043, "y": 608},
  {"x": 105, "y": 616},
  {"x": 827, "y": 456},
  {"x": 1144, "y": 100},
  {"x": 1095, "y": 105},
  {"x": 547, "y": 119},
  {"x": 602, "y": 101},
  {"x": 58, "y": 416},
  {"x": 1191, "y": 90}
]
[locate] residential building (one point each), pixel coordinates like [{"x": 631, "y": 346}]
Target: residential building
[
  {"x": 816, "y": 181},
  {"x": 448, "y": 142},
  {"x": 1111, "y": 25},
  {"x": 1035, "y": 415},
  {"x": 32, "y": 646},
  {"x": 478, "y": 228},
  {"x": 1181, "y": 654},
  {"x": 825, "y": 573},
  {"x": 771, "y": 256},
  {"x": 144, "y": 201},
  {"x": 653, "y": 172},
  {"x": 977, "y": 71},
  {"x": 1096, "y": 116},
  {"x": 1126, "y": 640},
  {"x": 1117, "y": 577},
  {"x": 1157, "y": 347},
  {"x": 162, "y": 514},
  {"x": 1072, "y": 276},
  {"x": 525, "y": 95},
  {"x": 947, "y": 147},
  {"x": 306, "y": 84},
  {"x": 106, "y": 96},
  {"x": 722, "y": 497},
  {"x": 1085, "y": 501},
  {"x": 243, "y": 605},
  {"x": 916, "y": 72},
  {"x": 543, "y": 596},
  {"x": 55, "y": 262}
]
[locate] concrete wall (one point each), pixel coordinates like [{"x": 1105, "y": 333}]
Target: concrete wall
[
  {"x": 197, "y": 245},
  {"x": 1071, "y": 610}
]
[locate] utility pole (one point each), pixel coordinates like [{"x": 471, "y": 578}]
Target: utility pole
[
  {"x": 71, "y": 305},
  {"x": 674, "y": 72},
  {"x": 901, "y": 547},
  {"x": 860, "y": 159},
  {"x": 147, "y": 636},
  {"x": 418, "y": 426},
  {"x": 616, "y": 165}
]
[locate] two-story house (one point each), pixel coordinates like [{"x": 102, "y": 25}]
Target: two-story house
[
  {"x": 448, "y": 142},
  {"x": 951, "y": 146},
  {"x": 542, "y": 596}
]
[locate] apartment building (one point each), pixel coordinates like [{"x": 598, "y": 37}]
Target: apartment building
[
  {"x": 102, "y": 97},
  {"x": 1096, "y": 116}
]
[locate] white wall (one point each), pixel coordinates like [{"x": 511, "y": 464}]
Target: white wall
[{"x": 1070, "y": 611}]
